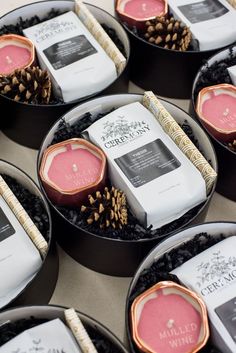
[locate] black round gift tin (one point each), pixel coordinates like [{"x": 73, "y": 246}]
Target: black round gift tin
[
  {"x": 115, "y": 256},
  {"x": 106, "y": 340},
  {"x": 27, "y": 124},
  {"x": 168, "y": 73},
  {"x": 213, "y": 229},
  {"x": 39, "y": 290},
  {"x": 226, "y": 158}
]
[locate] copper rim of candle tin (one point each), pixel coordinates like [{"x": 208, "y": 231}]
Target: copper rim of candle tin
[
  {"x": 89, "y": 146},
  {"x": 226, "y": 135},
  {"x": 133, "y": 21},
  {"x": 162, "y": 285},
  {"x": 53, "y": 311},
  {"x": 25, "y": 42}
]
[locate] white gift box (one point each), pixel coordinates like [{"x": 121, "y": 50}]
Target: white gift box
[
  {"x": 212, "y": 22},
  {"x": 147, "y": 165},
  {"x": 232, "y": 73},
  {"x": 50, "y": 337},
  {"x": 19, "y": 258},
  {"x": 77, "y": 64},
  {"x": 212, "y": 274}
]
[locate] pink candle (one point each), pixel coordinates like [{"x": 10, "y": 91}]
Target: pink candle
[
  {"x": 216, "y": 106},
  {"x": 74, "y": 168},
  {"x": 16, "y": 52},
  {"x": 142, "y": 9},
  {"x": 136, "y": 12},
  {"x": 71, "y": 170},
  {"x": 169, "y": 319}
]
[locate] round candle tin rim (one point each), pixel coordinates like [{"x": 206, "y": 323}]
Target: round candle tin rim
[
  {"x": 45, "y": 309},
  {"x": 24, "y": 40},
  {"x": 223, "y": 53},
  {"x": 169, "y": 284},
  {"x": 63, "y": 143},
  {"x": 48, "y": 211},
  {"x": 42, "y": 197},
  {"x": 94, "y": 95},
  {"x": 120, "y": 12},
  {"x": 198, "y": 105},
  {"x": 146, "y": 240},
  {"x": 212, "y": 52}
]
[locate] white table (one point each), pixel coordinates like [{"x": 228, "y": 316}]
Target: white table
[{"x": 100, "y": 296}]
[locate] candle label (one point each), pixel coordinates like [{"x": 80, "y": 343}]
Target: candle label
[
  {"x": 220, "y": 110},
  {"x": 145, "y": 162},
  {"x": 74, "y": 169},
  {"x": 61, "y": 43},
  {"x": 203, "y": 10},
  {"x": 169, "y": 323},
  {"x": 19, "y": 258},
  {"x": 211, "y": 22},
  {"x": 50, "y": 337},
  {"x": 212, "y": 274},
  {"x": 6, "y": 229},
  {"x": 13, "y": 57},
  {"x": 69, "y": 51},
  {"x": 144, "y": 9}
]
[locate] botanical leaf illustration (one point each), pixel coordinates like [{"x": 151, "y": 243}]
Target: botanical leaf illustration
[
  {"x": 214, "y": 269},
  {"x": 120, "y": 127}
]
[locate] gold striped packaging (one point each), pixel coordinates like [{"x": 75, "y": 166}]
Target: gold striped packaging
[
  {"x": 100, "y": 35},
  {"x": 79, "y": 331},
  {"x": 23, "y": 218},
  {"x": 172, "y": 128},
  {"x": 232, "y": 3}
]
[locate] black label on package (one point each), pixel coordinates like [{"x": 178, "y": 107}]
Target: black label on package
[
  {"x": 69, "y": 51},
  {"x": 147, "y": 163},
  {"x": 227, "y": 314},
  {"x": 203, "y": 10},
  {"x": 6, "y": 229}
]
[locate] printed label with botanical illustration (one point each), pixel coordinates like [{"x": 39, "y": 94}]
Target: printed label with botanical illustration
[{"x": 50, "y": 337}]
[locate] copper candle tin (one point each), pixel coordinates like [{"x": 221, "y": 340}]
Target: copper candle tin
[
  {"x": 38, "y": 313},
  {"x": 169, "y": 287},
  {"x": 29, "y": 123},
  {"x": 122, "y": 256},
  {"x": 226, "y": 157},
  {"x": 75, "y": 196},
  {"x": 132, "y": 20},
  {"x": 222, "y": 134},
  {"x": 20, "y": 41}
]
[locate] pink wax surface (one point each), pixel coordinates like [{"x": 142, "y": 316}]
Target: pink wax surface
[
  {"x": 142, "y": 9},
  {"x": 155, "y": 317},
  {"x": 220, "y": 110},
  {"x": 74, "y": 169},
  {"x": 13, "y": 57}
]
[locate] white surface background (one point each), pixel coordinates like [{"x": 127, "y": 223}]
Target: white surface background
[{"x": 102, "y": 297}]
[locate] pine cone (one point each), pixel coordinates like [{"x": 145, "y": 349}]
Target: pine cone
[
  {"x": 30, "y": 85},
  {"x": 107, "y": 209},
  {"x": 232, "y": 145},
  {"x": 168, "y": 33}
]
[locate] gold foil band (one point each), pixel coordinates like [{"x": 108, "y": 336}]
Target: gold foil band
[
  {"x": 23, "y": 218},
  {"x": 172, "y": 128},
  {"x": 232, "y": 3},
  {"x": 100, "y": 35},
  {"x": 79, "y": 331}
]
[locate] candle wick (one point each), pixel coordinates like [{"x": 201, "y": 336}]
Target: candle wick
[
  {"x": 170, "y": 323},
  {"x": 74, "y": 168},
  {"x": 9, "y": 61},
  {"x": 226, "y": 112}
]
